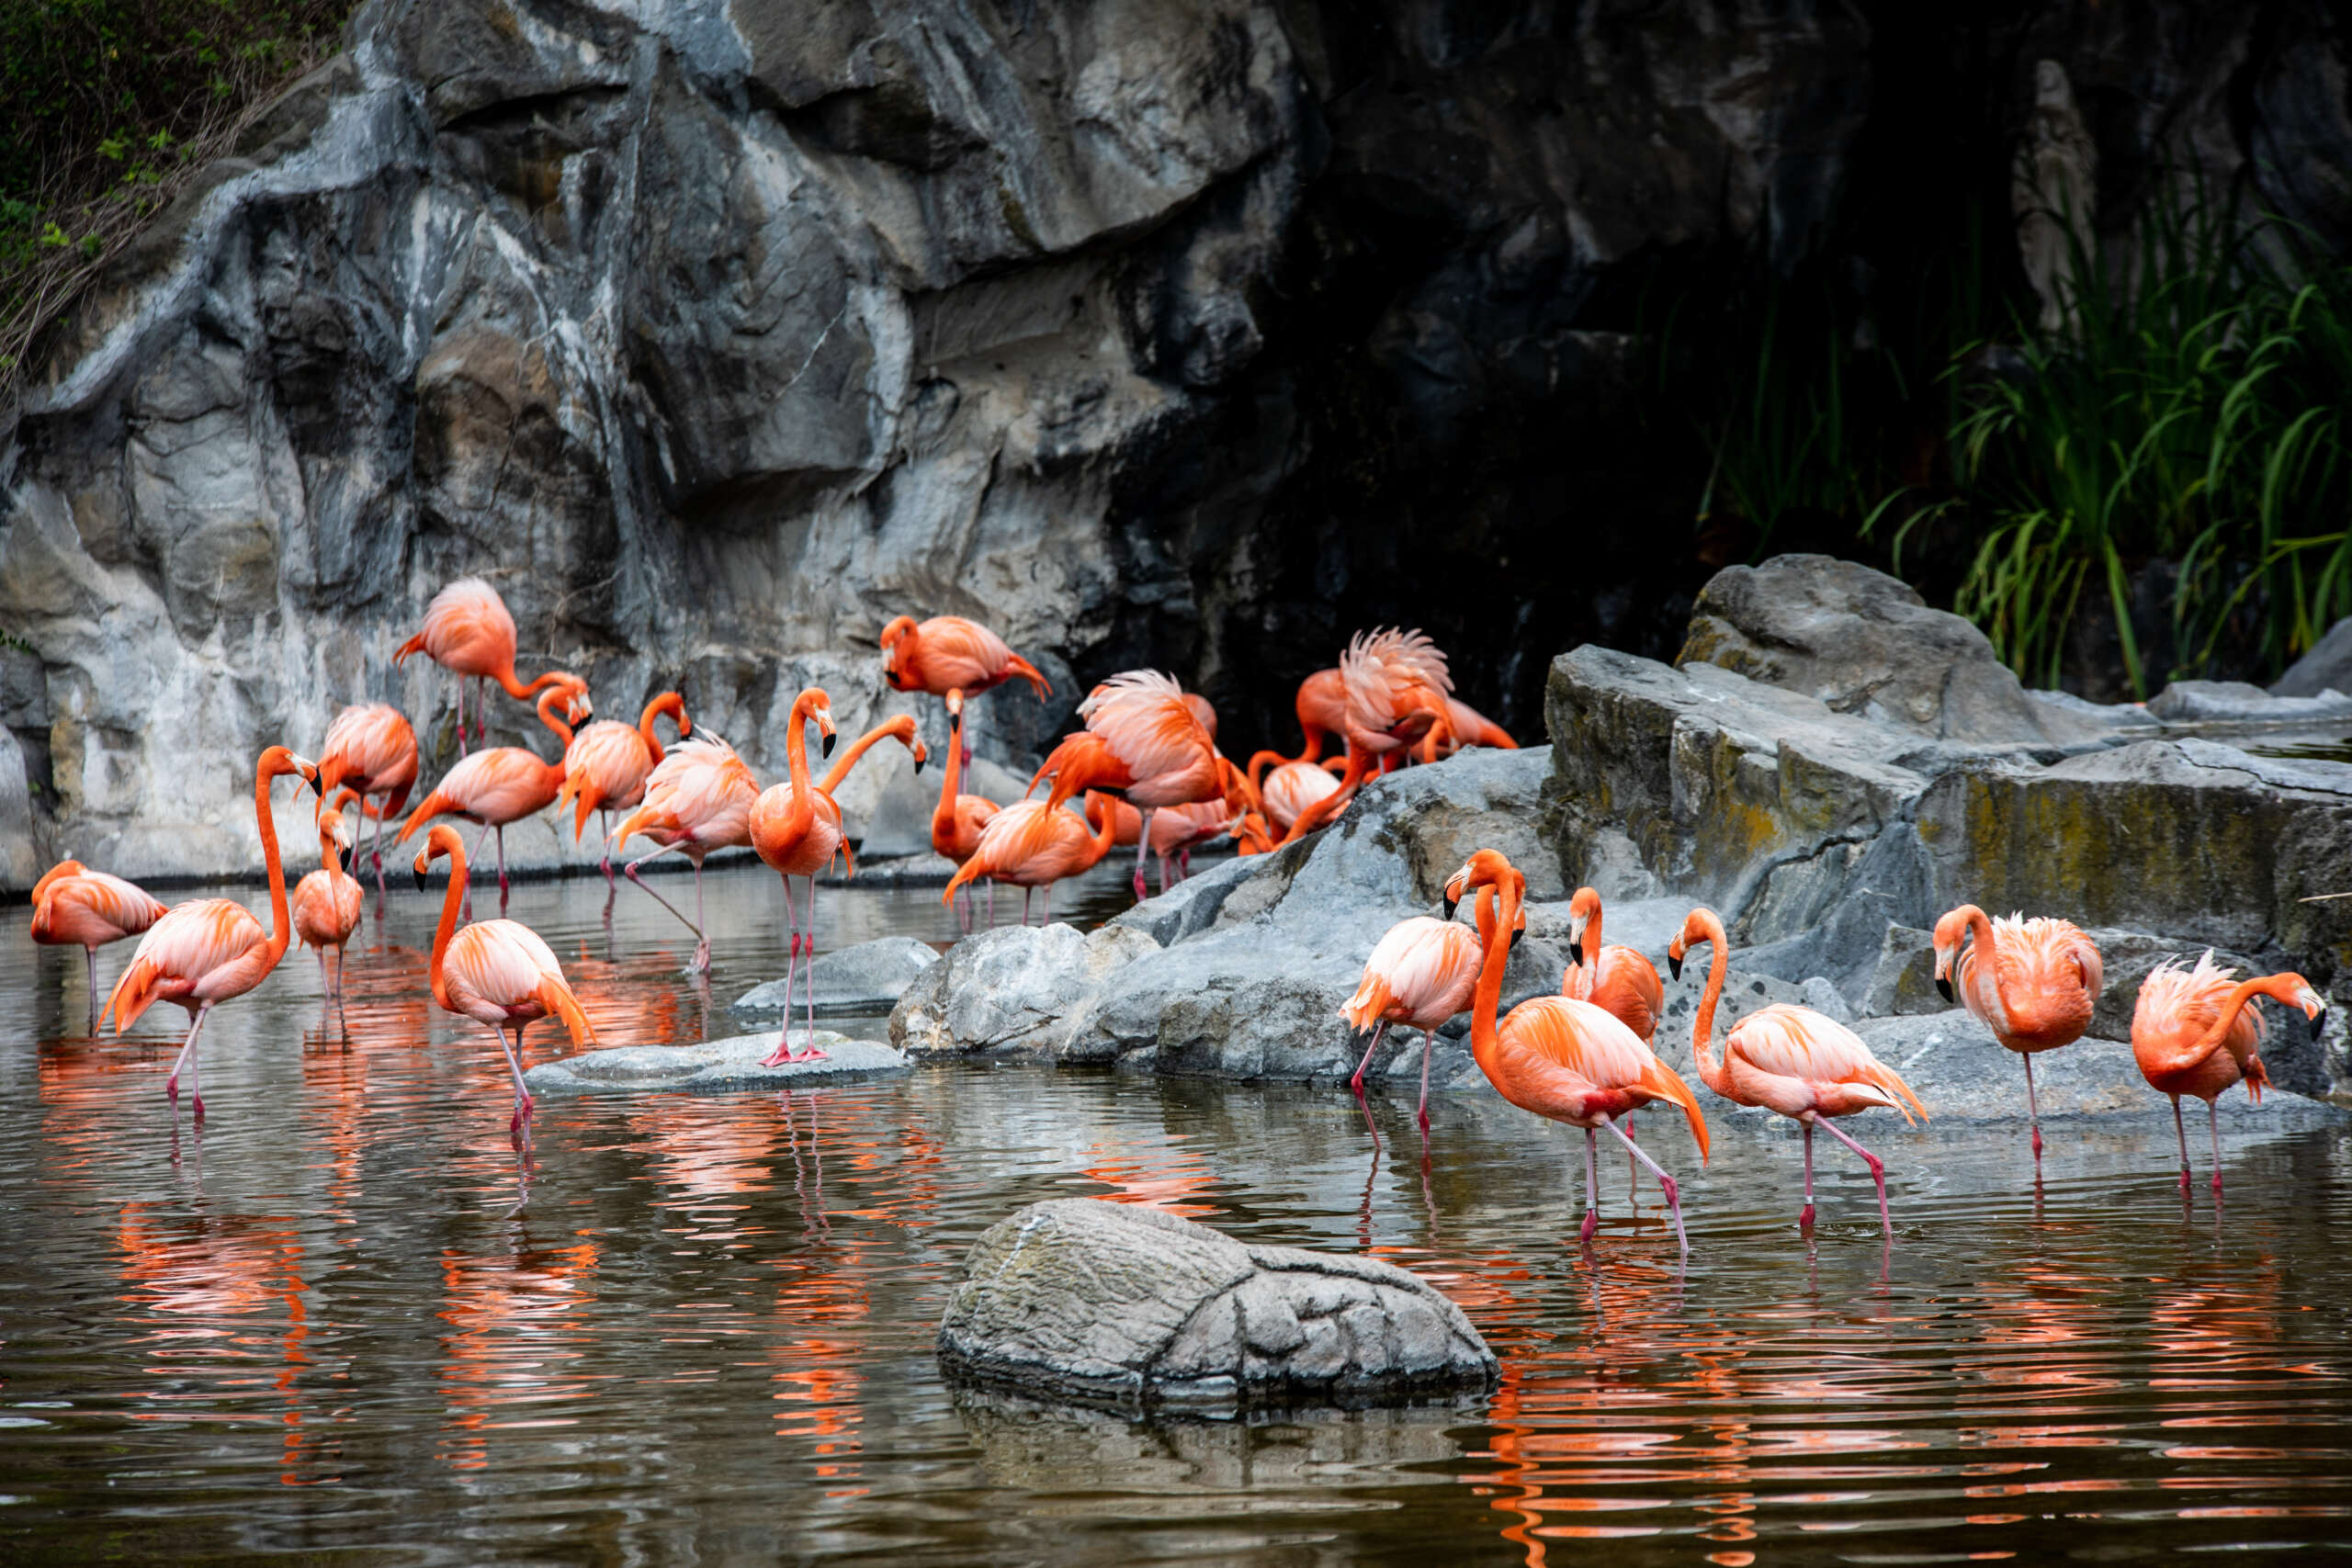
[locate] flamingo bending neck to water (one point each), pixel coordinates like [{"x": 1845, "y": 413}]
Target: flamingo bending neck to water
[
  {"x": 2193, "y": 1033},
  {"x": 505, "y": 784},
  {"x": 468, "y": 632},
  {"x": 1032, "y": 845},
  {"x": 2033, "y": 983},
  {"x": 202, "y": 953},
  {"x": 607, "y": 765},
  {"x": 74, "y": 906},
  {"x": 697, "y": 799},
  {"x": 371, "y": 748},
  {"x": 1398, "y": 689},
  {"x": 326, "y": 902},
  {"x": 1421, "y": 973}
]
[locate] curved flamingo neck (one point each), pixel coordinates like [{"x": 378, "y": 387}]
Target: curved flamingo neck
[
  {"x": 801, "y": 806},
  {"x": 515, "y": 688},
  {"x": 902, "y": 726},
  {"x": 451, "y": 902},
  {"x": 1360, "y": 767},
  {"x": 330, "y": 854},
  {"x": 1489, "y": 994},
  {"x": 546, "y": 716},
  {"x": 670, "y": 703},
  {"x": 1702, "y": 1024},
  {"x": 942, "y": 819},
  {"x": 1106, "y": 831},
  {"x": 281, "y": 924},
  {"x": 2277, "y": 988}
]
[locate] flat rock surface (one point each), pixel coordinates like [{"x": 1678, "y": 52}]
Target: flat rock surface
[
  {"x": 1113, "y": 1303},
  {"x": 1962, "y": 1074},
  {"x": 716, "y": 1067},
  {"x": 867, "y": 979}
]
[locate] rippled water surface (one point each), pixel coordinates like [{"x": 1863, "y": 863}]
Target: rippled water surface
[{"x": 347, "y": 1322}]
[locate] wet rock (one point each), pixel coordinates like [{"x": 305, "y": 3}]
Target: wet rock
[
  {"x": 1119, "y": 1305},
  {"x": 867, "y": 979},
  {"x": 2326, "y": 668},
  {"x": 719, "y": 1066},
  {"x": 1042, "y": 1447},
  {"x": 1903, "y": 980},
  {"x": 1962, "y": 1074},
  {"x": 2237, "y": 701},
  {"x": 1011, "y": 991},
  {"x": 899, "y": 823}
]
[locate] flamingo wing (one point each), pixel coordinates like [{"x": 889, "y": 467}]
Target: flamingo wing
[
  {"x": 955, "y": 653},
  {"x": 95, "y": 902},
  {"x": 1798, "y": 1042},
  {"x": 1422, "y": 971},
  {"x": 190, "y": 943},
  {"x": 1141, "y": 716},
  {"x": 1562, "y": 1049},
  {"x": 1381, "y": 668}
]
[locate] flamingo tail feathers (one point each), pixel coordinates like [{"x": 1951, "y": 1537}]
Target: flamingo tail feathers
[
  {"x": 414, "y": 644},
  {"x": 968, "y": 872},
  {"x": 432, "y": 806},
  {"x": 1371, "y": 998},
  {"x": 133, "y": 995},
  {"x": 557, "y": 997},
  {"x": 1667, "y": 1084},
  {"x": 1030, "y": 673}
]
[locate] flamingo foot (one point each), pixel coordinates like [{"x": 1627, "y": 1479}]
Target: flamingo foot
[
  {"x": 1139, "y": 892},
  {"x": 2037, "y": 1145},
  {"x": 814, "y": 1053},
  {"x": 2217, "y": 1184},
  {"x": 196, "y": 1102},
  {"x": 1591, "y": 1224},
  {"x": 779, "y": 1056},
  {"x": 701, "y": 960},
  {"x": 172, "y": 1093}
]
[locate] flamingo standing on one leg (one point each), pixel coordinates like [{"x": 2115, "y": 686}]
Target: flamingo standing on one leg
[
  {"x": 2032, "y": 983},
  {"x": 1397, "y": 691},
  {"x": 796, "y": 828},
  {"x": 2193, "y": 1033},
  {"x": 326, "y": 902},
  {"x": 606, "y": 766},
  {"x": 468, "y": 632},
  {"x": 202, "y": 953},
  {"x": 1790, "y": 1059},
  {"x": 505, "y": 784},
  {"x": 697, "y": 799},
  {"x": 371, "y": 748},
  {"x": 1618, "y": 980},
  {"x": 958, "y": 820},
  {"x": 1141, "y": 740},
  {"x": 1031, "y": 845},
  {"x": 1322, "y": 708},
  {"x": 74, "y": 906},
  {"x": 1561, "y": 1058},
  {"x": 1420, "y": 973},
  {"x": 497, "y": 973}
]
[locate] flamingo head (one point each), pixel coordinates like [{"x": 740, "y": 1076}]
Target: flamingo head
[
  {"x": 922, "y": 753},
  {"x": 1951, "y": 931},
  {"x": 901, "y": 627},
  {"x": 2296, "y": 991},
  {"x": 955, "y": 706},
  {"x": 1484, "y": 868},
  {"x": 333, "y": 827},
  {"x": 277, "y": 761},
  {"x": 814, "y": 703},
  {"x": 441, "y": 841},
  {"x": 1581, "y": 910},
  {"x": 1701, "y": 925}
]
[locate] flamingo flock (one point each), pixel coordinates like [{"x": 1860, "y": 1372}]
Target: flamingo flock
[{"x": 1143, "y": 769}]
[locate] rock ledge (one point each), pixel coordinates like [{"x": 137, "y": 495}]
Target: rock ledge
[{"x": 714, "y": 1068}]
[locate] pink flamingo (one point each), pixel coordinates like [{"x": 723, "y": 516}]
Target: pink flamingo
[
  {"x": 2193, "y": 1033},
  {"x": 1790, "y": 1059},
  {"x": 948, "y": 653},
  {"x": 326, "y": 902},
  {"x": 1397, "y": 691},
  {"x": 74, "y": 906},
  {"x": 697, "y": 799},
  {"x": 469, "y": 633},
  {"x": 1322, "y": 707},
  {"x": 1032, "y": 845},
  {"x": 371, "y": 748},
  {"x": 1289, "y": 790},
  {"x": 202, "y": 953},
  {"x": 1561, "y": 1058},
  {"x": 958, "y": 820},
  {"x": 1618, "y": 980},
  {"x": 1420, "y": 973},
  {"x": 505, "y": 784},
  {"x": 2032, "y": 983},
  {"x": 1467, "y": 727},
  {"x": 497, "y": 973},
  {"x": 1141, "y": 740},
  {"x": 606, "y": 766}
]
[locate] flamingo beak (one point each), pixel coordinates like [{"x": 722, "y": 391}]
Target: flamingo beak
[
  {"x": 419, "y": 877},
  {"x": 1575, "y": 952},
  {"x": 1673, "y": 965},
  {"x": 1944, "y": 986},
  {"x": 1449, "y": 902},
  {"x": 1516, "y": 934}
]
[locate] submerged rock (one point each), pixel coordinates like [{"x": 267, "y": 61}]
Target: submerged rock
[
  {"x": 867, "y": 979},
  {"x": 718, "y": 1066},
  {"x": 1120, "y": 1305}
]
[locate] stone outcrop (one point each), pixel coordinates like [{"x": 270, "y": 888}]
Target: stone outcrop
[
  {"x": 2326, "y": 668},
  {"x": 716, "y": 1066},
  {"x": 1116, "y": 1305},
  {"x": 867, "y": 979}
]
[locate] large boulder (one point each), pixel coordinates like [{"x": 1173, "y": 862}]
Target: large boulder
[
  {"x": 2326, "y": 668},
  {"x": 1113, "y": 1303},
  {"x": 869, "y": 977}
]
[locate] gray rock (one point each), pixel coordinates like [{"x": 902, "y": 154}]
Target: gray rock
[
  {"x": 899, "y": 822},
  {"x": 2326, "y": 668},
  {"x": 716, "y": 1068},
  {"x": 21, "y": 859},
  {"x": 1011, "y": 990},
  {"x": 1962, "y": 1074},
  {"x": 1903, "y": 981},
  {"x": 2236, "y": 702},
  {"x": 867, "y": 979},
  {"x": 1119, "y": 1305}
]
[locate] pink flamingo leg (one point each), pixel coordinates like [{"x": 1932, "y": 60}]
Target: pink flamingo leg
[
  {"x": 1591, "y": 1190},
  {"x": 808, "y": 980},
  {"x": 2213, "y": 1116},
  {"x": 1143, "y": 844},
  {"x": 1379, "y": 1028},
  {"x": 1046, "y": 906},
  {"x": 90, "y": 966},
  {"x": 1805, "y": 1221},
  {"x": 461, "y": 715},
  {"x": 605, "y": 821},
  {"x": 1633, "y": 1169},
  {"x": 701, "y": 929},
  {"x": 519, "y": 1127},
  {"x": 1024, "y": 904},
  {"x": 782, "y": 1052},
  {"x": 187, "y": 1056},
  {"x": 1422, "y": 1111},
  {"x": 1878, "y": 1172},
  {"x": 375, "y": 858},
  {"x": 342, "y": 959},
  {"x": 1665, "y": 1182},
  {"x": 2183, "y": 1131},
  {"x": 2033, "y": 1114},
  {"x": 501, "y": 831}
]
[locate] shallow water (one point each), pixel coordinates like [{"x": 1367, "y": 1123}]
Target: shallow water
[{"x": 348, "y": 1323}]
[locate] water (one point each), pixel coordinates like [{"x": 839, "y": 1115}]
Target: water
[{"x": 346, "y": 1324}]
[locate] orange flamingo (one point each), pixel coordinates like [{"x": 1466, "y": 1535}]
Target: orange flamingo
[
  {"x": 74, "y": 906},
  {"x": 957, "y": 823},
  {"x": 203, "y": 953},
  {"x": 1290, "y": 789},
  {"x": 371, "y": 748},
  {"x": 1468, "y": 726},
  {"x": 1178, "y": 830},
  {"x": 469, "y": 633},
  {"x": 1421, "y": 973},
  {"x": 1031, "y": 845},
  {"x": 1561, "y": 1058},
  {"x": 2193, "y": 1033},
  {"x": 1322, "y": 708},
  {"x": 606, "y": 766},
  {"x": 1397, "y": 691},
  {"x": 1141, "y": 740},
  {"x": 505, "y": 784},
  {"x": 497, "y": 973},
  {"x": 796, "y": 828},
  {"x": 1790, "y": 1059},
  {"x": 1618, "y": 980},
  {"x": 697, "y": 799},
  {"x": 2032, "y": 983},
  {"x": 948, "y": 653},
  {"x": 326, "y": 902}
]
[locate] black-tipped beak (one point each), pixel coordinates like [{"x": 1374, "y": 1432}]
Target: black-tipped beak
[
  {"x": 918, "y": 764},
  {"x": 419, "y": 877},
  {"x": 1450, "y": 904},
  {"x": 826, "y": 748},
  {"x": 2319, "y": 1021},
  {"x": 1575, "y": 952},
  {"x": 1516, "y": 934},
  {"x": 1944, "y": 986},
  {"x": 1674, "y": 965}
]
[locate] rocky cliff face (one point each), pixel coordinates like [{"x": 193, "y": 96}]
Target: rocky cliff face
[{"x": 1195, "y": 331}]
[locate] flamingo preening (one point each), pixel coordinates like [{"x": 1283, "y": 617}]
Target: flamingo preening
[
  {"x": 607, "y": 765},
  {"x": 326, "y": 902},
  {"x": 1032, "y": 845},
  {"x": 1790, "y": 1059},
  {"x": 505, "y": 784},
  {"x": 1141, "y": 740},
  {"x": 697, "y": 799},
  {"x": 2032, "y": 983},
  {"x": 1421, "y": 973},
  {"x": 370, "y": 748},
  {"x": 2192, "y": 1033},
  {"x": 1398, "y": 689},
  {"x": 75, "y": 907},
  {"x": 200, "y": 953},
  {"x": 497, "y": 973},
  {"x": 468, "y": 632},
  {"x": 1616, "y": 979}
]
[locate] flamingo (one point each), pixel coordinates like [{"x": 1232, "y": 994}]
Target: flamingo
[
  {"x": 326, "y": 902},
  {"x": 1178, "y": 830},
  {"x": 606, "y": 766},
  {"x": 371, "y": 748},
  {"x": 2193, "y": 1033},
  {"x": 202, "y": 953},
  {"x": 1618, "y": 980},
  {"x": 957, "y": 822},
  {"x": 796, "y": 828},
  {"x": 497, "y": 973},
  {"x": 1031, "y": 845},
  {"x": 1468, "y": 726},
  {"x": 948, "y": 653},
  {"x": 2032, "y": 983},
  {"x": 1322, "y": 708},
  {"x": 1790, "y": 1059},
  {"x": 1397, "y": 691},
  {"x": 1561, "y": 1058},
  {"x": 1420, "y": 973},
  {"x": 1291, "y": 788},
  {"x": 699, "y": 798},
  {"x": 74, "y": 906},
  {"x": 505, "y": 784},
  {"x": 468, "y": 632},
  {"x": 1141, "y": 740}
]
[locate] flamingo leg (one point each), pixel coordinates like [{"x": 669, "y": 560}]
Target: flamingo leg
[
  {"x": 1143, "y": 845},
  {"x": 782, "y": 1052},
  {"x": 2033, "y": 1114},
  {"x": 2213, "y": 1119},
  {"x": 187, "y": 1059},
  {"x": 2183, "y": 1131},
  {"x": 1379, "y": 1028},
  {"x": 808, "y": 980},
  {"x": 1878, "y": 1173},
  {"x": 376, "y": 857},
  {"x": 605, "y": 821},
  {"x": 481, "y": 707},
  {"x": 1665, "y": 1182},
  {"x": 1024, "y": 904},
  {"x": 461, "y": 715},
  {"x": 90, "y": 966},
  {"x": 342, "y": 959},
  {"x": 1591, "y": 1190},
  {"x": 1422, "y": 1111},
  {"x": 1633, "y": 1167},
  {"x": 991, "y": 903},
  {"x": 519, "y": 1126},
  {"x": 701, "y": 964},
  {"x": 1805, "y": 1221},
  {"x": 501, "y": 831}
]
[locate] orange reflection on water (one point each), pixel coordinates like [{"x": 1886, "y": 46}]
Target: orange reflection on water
[
  {"x": 515, "y": 1320},
  {"x": 1164, "y": 1177}
]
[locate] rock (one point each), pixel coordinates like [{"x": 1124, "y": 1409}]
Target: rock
[
  {"x": 2326, "y": 668},
  {"x": 867, "y": 979},
  {"x": 1903, "y": 981},
  {"x": 1864, "y": 643},
  {"x": 718, "y": 1066},
  {"x": 1962, "y": 1074},
  {"x": 21, "y": 859},
  {"x": 1192, "y": 905},
  {"x": 1120, "y": 1305},
  {"x": 1041, "y": 1447},
  {"x": 2236, "y": 702},
  {"x": 1011, "y": 990}
]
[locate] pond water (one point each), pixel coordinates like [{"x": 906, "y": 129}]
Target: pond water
[{"x": 348, "y": 1323}]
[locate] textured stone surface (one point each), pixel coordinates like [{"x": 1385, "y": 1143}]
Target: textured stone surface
[
  {"x": 718, "y": 1066},
  {"x": 2326, "y": 668},
  {"x": 1962, "y": 1074},
  {"x": 1113, "y": 1303},
  {"x": 867, "y": 979},
  {"x": 1010, "y": 991},
  {"x": 2236, "y": 702}
]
